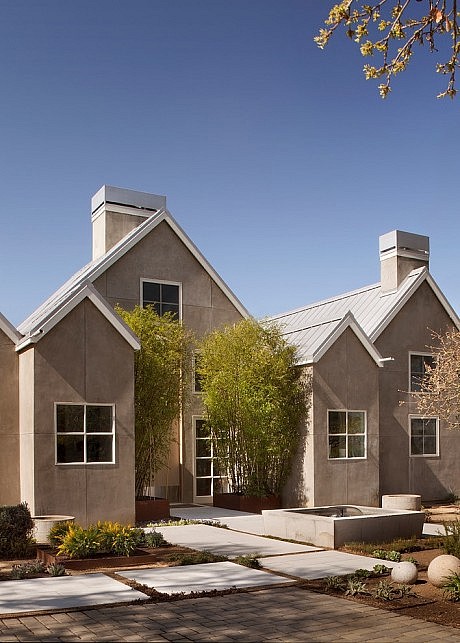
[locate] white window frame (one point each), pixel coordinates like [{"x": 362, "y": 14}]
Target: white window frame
[
  {"x": 84, "y": 434},
  {"x": 160, "y": 281},
  {"x": 346, "y": 457},
  {"x": 195, "y": 477},
  {"x": 418, "y": 354},
  {"x": 423, "y": 455}
]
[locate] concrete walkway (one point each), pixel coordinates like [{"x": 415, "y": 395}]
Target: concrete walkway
[
  {"x": 226, "y": 542},
  {"x": 263, "y": 612}
]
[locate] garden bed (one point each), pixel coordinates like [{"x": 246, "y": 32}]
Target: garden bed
[
  {"x": 426, "y": 602},
  {"x": 141, "y": 556}
]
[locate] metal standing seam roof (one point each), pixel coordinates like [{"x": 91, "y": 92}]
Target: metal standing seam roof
[
  {"x": 309, "y": 328},
  {"x": 94, "y": 268}
]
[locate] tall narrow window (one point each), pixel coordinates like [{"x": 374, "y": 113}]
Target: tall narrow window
[
  {"x": 163, "y": 296},
  {"x": 418, "y": 369},
  {"x": 424, "y": 436},
  {"x": 85, "y": 433},
  {"x": 347, "y": 434},
  {"x": 207, "y": 477}
]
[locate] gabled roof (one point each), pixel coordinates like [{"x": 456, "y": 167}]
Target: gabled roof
[
  {"x": 9, "y": 330},
  {"x": 315, "y": 341},
  {"x": 94, "y": 269},
  {"x": 310, "y": 327},
  {"x": 75, "y": 297}
]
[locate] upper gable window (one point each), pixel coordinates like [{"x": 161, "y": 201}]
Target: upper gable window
[
  {"x": 418, "y": 364},
  {"x": 85, "y": 434},
  {"x": 346, "y": 434},
  {"x": 164, "y": 296}
]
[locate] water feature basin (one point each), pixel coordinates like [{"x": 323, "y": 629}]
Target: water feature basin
[{"x": 333, "y": 525}]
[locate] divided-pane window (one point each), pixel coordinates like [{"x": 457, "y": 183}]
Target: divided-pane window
[
  {"x": 84, "y": 433},
  {"x": 418, "y": 364},
  {"x": 347, "y": 434},
  {"x": 424, "y": 436},
  {"x": 164, "y": 297},
  {"x": 207, "y": 477}
]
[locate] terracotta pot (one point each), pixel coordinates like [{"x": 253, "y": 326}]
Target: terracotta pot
[
  {"x": 152, "y": 509},
  {"x": 250, "y": 504}
]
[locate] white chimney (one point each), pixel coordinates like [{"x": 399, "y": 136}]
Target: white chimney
[
  {"x": 400, "y": 253},
  {"x": 117, "y": 211}
]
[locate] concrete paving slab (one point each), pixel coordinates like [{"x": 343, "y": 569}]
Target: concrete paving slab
[
  {"x": 202, "y": 578},
  {"x": 433, "y": 529},
  {"x": 237, "y": 520},
  {"x": 65, "y": 592},
  {"x": 227, "y": 542},
  {"x": 321, "y": 564}
]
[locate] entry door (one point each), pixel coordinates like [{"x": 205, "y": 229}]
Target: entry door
[{"x": 207, "y": 480}]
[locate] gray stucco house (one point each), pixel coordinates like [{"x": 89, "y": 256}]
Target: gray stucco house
[
  {"x": 366, "y": 351},
  {"x": 67, "y": 376},
  {"x": 67, "y": 372}
]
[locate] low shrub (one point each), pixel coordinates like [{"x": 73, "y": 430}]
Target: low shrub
[
  {"x": 451, "y": 540},
  {"x": 102, "y": 538},
  {"x": 384, "y": 591},
  {"x": 334, "y": 583},
  {"x": 58, "y": 531},
  {"x": 16, "y": 527},
  {"x": 27, "y": 570},
  {"x": 387, "y": 591},
  {"x": 355, "y": 586},
  {"x": 197, "y": 558},
  {"x": 248, "y": 560},
  {"x": 451, "y": 587},
  {"x": 362, "y": 573},
  {"x": 392, "y": 555},
  {"x": 154, "y": 539},
  {"x": 401, "y": 545},
  {"x": 56, "y": 569}
]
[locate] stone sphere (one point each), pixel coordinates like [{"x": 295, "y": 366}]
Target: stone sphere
[
  {"x": 404, "y": 573},
  {"x": 441, "y": 567}
]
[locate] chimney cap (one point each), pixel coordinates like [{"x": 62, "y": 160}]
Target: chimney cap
[
  {"x": 405, "y": 244},
  {"x": 125, "y": 197}
]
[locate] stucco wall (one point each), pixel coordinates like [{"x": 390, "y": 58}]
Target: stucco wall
[
  {"x": 162, "y": 255},
  {"x": 9, "y": 423},
  {"x": 299, "y": 489},
  {"x": 435, "y": 476},
  {"x": 345, "y": 378},
  {"x": 83, "y": 359}
]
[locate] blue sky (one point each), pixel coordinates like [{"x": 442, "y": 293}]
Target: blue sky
[{"x": 278, "y": 159}]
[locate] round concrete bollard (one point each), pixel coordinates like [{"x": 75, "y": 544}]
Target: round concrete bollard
[
  {"x": 441, "y": 567},
  {"x": 404, "y": 573},
  {"x": 400, "y": 501}
]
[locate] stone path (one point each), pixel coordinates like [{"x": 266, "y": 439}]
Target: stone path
[{"x": 281, "y": 614}]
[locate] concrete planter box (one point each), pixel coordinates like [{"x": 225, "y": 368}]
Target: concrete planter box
[
  {"x": 152, "y": 509},
  {"x": 43, "y": 524},
  {"x": 250, "y": 504}
]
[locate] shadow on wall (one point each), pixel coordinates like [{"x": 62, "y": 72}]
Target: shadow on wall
[
  {"x": 424, "y": 481},
  {"x": 295, "y": 492}
]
